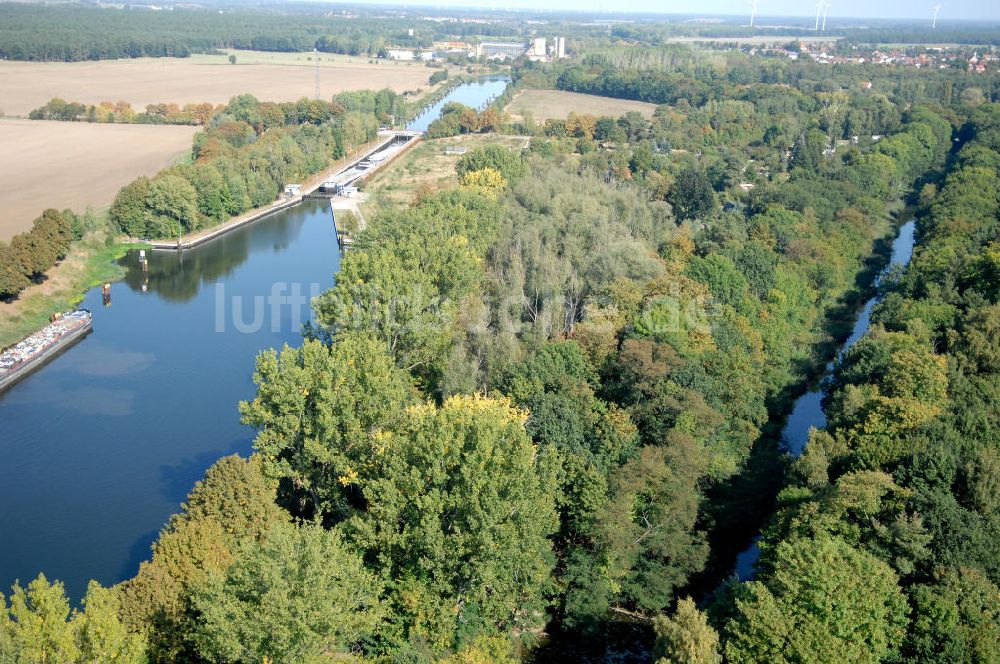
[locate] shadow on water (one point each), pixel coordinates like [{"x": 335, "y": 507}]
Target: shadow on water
[
  {"x": 178, "y": 276},
  {"x": 141, "y": 549},
  {"x": 176, "y": 480}
]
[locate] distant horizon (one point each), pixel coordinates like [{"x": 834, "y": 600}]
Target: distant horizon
[{"x": 951, "y": 12}]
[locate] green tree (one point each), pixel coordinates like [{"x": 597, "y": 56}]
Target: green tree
[
  {"x": 128, "y": 211},
  {"x": 35, "y": 629},
  {"x": 298, "y": 594},
  {"x": 100, "y": 634},
  {"x": 956, "y": 618},
  {"x": 648, "y": 529},
  {"x": 825, "y": 601},
  {"x": 459, "y": 512},
  {"x": 686, "y": 637},
  {"x": 236, "y": 494},
  {"x": 171, "y": 204},
  {"x": 12, "y": 276},
  {"x": 508, "y": 162},
  {"x": 318, "y": 413},
  {"x": 691, "y": 195}
]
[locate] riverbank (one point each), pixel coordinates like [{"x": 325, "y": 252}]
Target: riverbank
[
  {"x": 745, "y": 503},
  {"x": 340, "y": 167},
  {"x": 91, "y": 262}
]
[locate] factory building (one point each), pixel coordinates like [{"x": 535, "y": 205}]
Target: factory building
[{"x": 500, "y": 50}]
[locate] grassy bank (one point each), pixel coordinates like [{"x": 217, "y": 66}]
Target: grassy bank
[{"x": 91, "y": 262}]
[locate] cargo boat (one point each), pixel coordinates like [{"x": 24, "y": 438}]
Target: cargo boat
[{"x": 35, "y": 350}]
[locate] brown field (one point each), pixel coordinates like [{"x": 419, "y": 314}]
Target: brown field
[
  {"x": 424, "y": 168},
  {"x": 25, "y": 86},
  {"x": 76, "y": 164},
  {"x": 556, "y": 104}
]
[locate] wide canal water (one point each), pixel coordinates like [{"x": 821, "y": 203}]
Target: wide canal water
[
  {"x": 807, "y": 412},
  {"x": 100, "y": 446}
]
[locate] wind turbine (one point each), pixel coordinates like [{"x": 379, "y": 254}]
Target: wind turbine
[
  {"x": 819, "y": 8},
  {"x": 826, "y": 6},
  {"x": 753, "y": 11},
  {"x": 937, "y": 8}
]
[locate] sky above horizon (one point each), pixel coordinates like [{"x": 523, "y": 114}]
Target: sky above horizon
[{"x": 909, "y": 9}]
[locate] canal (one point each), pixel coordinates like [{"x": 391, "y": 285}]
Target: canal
[
  {"x": 101, "y": 445},
  {"x": 807, "y": 411},
  {"x": 474, "y": 95}
]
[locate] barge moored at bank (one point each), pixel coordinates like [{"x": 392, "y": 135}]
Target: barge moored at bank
[{"x": 33, "y": 351}]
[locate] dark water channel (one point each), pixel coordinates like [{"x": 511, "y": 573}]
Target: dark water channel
[{"x": 808, "y": 409}]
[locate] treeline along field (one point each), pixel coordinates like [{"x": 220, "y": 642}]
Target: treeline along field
[
  {"x": 70, "y": 33},
  {"x": 26, "y": 86},
  {"x": 242, "y": 159}
]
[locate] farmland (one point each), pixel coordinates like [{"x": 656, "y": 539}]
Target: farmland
[
  {"x": 556, "y": 104},
  {"x": 201, "y": 78},
  {"x": 61, "y": 164}
]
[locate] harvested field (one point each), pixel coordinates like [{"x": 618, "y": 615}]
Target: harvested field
[
  {"x": 556, "y": 104},
  {"x": 25, "y": 86},
  {"x": 425, "y": 168},
  {"x": 76, "y": 164}
]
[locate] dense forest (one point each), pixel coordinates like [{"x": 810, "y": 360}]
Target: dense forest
[
  {"x": 892, "y": 509},
  {"x": 539, "y": 412},
  {"x": 74, "y": 32}
]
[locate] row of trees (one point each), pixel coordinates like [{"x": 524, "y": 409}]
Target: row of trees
[
  {"x": 122, "y": 112},
  {"x": 243, "y": 158},
  {"x": 30, "y": 254}
]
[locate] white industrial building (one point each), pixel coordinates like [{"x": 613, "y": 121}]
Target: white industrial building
[
  {"x": 410, "y": 54},
  {"x": 500, "y": 50},
  {"x": 542, "y": 51}
]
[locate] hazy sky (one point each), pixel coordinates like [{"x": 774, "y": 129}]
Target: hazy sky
[{"x": 950, "y": 10}]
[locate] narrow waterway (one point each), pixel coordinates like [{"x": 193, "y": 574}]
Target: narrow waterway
[{"x": 807, "y": 412}]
